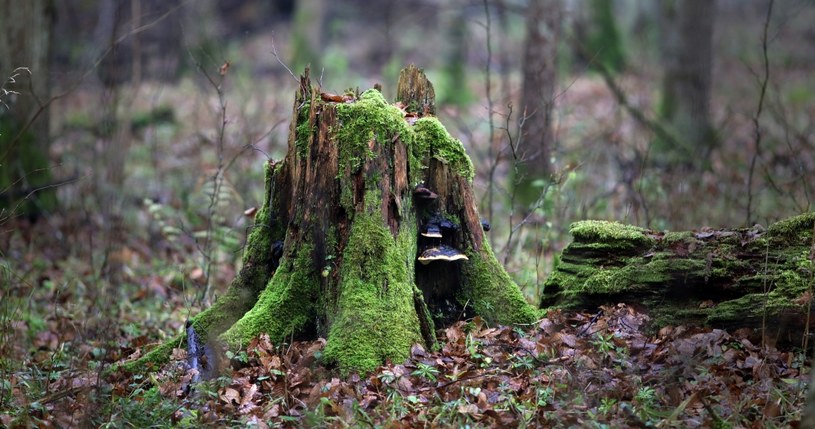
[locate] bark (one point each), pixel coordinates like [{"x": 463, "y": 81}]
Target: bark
[
  {"x": 25, "y": 41},
  {"x": 687, "y": 55},
  {"x": 752, "y": 277},
  {"x": 345, "y": 205},
  {"x": 538, "y": 96}
]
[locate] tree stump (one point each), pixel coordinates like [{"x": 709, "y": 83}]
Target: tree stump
[
  {"x": 750, "y": 277},
  {"x": 366, "y": 190}
]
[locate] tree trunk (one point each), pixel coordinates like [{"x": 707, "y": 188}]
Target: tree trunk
[
  {"x": 536, "y": 136},
  {"x": 687, "y": 55},
  {"x": 726, "y": 278},
  {"x": 598, "y": 37},
  {"x": 365, "y": 190},
  {"x": 25, "y": 41},
  {"x": 455, "y": 68},
  {"x": 308, "y": 33}
]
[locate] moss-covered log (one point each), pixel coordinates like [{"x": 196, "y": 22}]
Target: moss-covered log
[
  {"x": 362, "y": 184},
  {"x": 753, "y": 277}
]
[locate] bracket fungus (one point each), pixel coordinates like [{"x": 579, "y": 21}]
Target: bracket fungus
[
  {"x": 423, "y": 193},
  {"x": 432, "y": 230},
  {"x": 442, "y": 252}
]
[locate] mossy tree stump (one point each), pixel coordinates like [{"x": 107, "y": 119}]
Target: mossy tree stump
[
  {"x": 750, "y": 277},
  {"x": 333, "y": 252}
]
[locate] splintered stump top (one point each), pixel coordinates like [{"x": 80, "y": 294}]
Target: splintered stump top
[{"x": 415, "y": 91}]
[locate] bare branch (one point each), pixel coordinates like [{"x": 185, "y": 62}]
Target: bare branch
[
  {"x": 277, "y": 57},
  {"x": 757, "y": 132}
]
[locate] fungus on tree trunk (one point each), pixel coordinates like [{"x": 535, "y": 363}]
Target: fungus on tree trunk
[{"x": 362, "y": 179}]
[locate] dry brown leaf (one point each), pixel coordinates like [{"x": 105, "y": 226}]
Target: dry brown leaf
[{"x": 230, "y": 395}]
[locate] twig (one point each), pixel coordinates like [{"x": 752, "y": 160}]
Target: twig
[
  {"x": 8, "y": 192},
  {"x": 756, "y": 126},
  {"x": 277, "y": 57},
  {"x": 11, "y": 79},
  {"x": 217, "y": 177}
]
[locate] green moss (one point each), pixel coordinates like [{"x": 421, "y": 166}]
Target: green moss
[
  {"x": 304, "y": 130},
  {"x": 284, "y": 306},
  {"x": 490, "y": 290},
  {"x": 369, "y": 118},
  {"x": 633, "y": 276},
  {"x": 672, "y": 237},
  {"x": 432, "y": 139},
  {"x": 798, "y": 226},
  {"x": 609, "y": 232},
  {"x": 155, "y": 358},
  {"x": 260, "y": 238},
  {"x": 755, "y": 306},
  {"x": 377, "y": 320}
]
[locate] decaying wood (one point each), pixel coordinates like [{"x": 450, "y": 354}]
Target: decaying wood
[
  {"x": 415, "y": 92},
  {"x": 750, "y": 277},
  {"x": 334, "y": 250}
]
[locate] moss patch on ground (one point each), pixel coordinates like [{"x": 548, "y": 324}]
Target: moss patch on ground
[{"x": 609, "y": 232}]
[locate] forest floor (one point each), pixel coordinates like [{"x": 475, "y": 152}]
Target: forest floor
[{"x": 603, "y": 369}]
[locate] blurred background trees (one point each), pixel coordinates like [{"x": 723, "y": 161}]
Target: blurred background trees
[
  {"x": 686, "y": 47},
  {"x": 535, "y": 116},
  {"x": 614, "y": 109},
  {"x": 25, "y": 42}
]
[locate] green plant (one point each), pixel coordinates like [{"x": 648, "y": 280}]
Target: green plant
[
  {"x": 428, "y": 372},
  {"x": 604, "y": 344},
  {"x": 544, "y": 396},
  {"x": 607, "y": 405}
]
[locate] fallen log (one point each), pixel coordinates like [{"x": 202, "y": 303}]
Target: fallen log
[{"x": 750, "y": 277}]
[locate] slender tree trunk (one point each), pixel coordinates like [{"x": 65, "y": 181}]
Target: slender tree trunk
[
  {"x": 25, "y": 41},
  {"x": 598, "y": 36},
  {"x": 308, "y": 33},
  {"x": 687, "y": 52},
  {"x": 455, "y": 68},
  {"x": 536, "y": 137}
]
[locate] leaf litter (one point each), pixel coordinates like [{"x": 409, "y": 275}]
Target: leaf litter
[{"x": 569, "y": 369}]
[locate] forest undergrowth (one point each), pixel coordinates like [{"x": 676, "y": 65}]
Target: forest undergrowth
[{"x": 119, "y": 269}]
